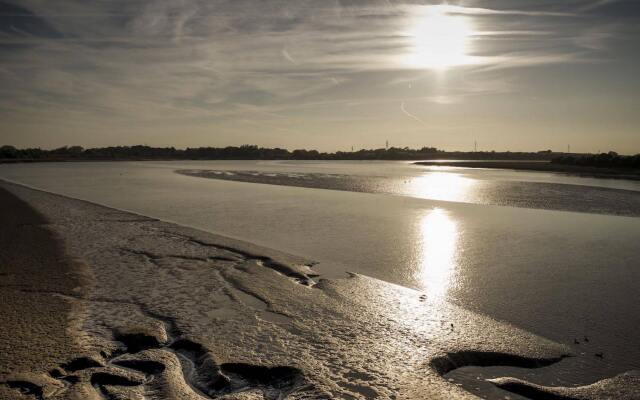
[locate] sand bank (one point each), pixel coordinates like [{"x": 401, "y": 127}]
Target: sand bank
[{"x": 151, "y": 310}]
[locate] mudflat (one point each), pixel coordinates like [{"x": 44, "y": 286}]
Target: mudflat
[{"x": 101, "y": 303}]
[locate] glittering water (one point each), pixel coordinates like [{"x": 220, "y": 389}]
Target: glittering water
[
  {"x": 452, "y": 185},
  {"x": 554, "y": 254}
]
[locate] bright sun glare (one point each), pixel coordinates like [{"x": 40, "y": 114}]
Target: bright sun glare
[
  {"x": 440, "y": 39},
  {"x": 439, "y": 237}
]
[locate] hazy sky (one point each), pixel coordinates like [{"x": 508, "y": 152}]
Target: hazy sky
[{"x": 330, "y": 74}]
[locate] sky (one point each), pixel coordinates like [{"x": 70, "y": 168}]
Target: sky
[{"x": 512, "y": 75}]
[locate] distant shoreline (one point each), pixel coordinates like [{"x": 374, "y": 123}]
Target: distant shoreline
[
  {"x": 518, "y": 165},
  {"x": 541, "y": 166},
  {"x": 70, "y": 160}
]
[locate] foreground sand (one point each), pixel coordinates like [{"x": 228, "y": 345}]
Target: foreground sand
[{"x": 100, "y": 303}]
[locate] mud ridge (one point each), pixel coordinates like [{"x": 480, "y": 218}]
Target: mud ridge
[
  {"x": 529, "y": 390},
  {"x": 155, "y": 257},
  {"x": 127, "y": 220},
  {"x": 451, "y": 361},
  {"x": 261, "y": 260},
  {"x": 260, "y": 304}
]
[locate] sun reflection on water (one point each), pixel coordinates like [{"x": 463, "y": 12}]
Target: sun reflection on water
[
  {"x": 445, "y": 186},
  {"x": 438, "y": 252}
]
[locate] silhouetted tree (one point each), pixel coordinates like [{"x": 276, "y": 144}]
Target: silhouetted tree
[
  {"x": 247, "y": 151},
  {"x": 602, "y": 160}
]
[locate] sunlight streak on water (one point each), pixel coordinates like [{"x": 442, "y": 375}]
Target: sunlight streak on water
[{"x": 438, "y": 252}]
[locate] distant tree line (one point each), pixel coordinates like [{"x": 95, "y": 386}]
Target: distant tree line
[
  {"x": 252, "y": 152},
  {"x": 602, "y": 160}
]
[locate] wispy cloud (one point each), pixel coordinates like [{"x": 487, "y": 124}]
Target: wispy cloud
[
  {"x": 132, "y": 62},
  {"x": 509, "y": 12}
]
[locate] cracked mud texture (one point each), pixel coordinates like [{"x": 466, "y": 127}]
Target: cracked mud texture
[{"x": 159, "y": 311}]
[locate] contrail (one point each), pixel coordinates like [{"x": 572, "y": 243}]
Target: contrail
[
  {"x": 286, "y": 55},
  {"x": 408, "y": 114}
]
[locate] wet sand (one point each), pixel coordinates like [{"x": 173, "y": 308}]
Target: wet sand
[
  {"x": 101, "y": 303},
  {"x": 36, "y": 323}
]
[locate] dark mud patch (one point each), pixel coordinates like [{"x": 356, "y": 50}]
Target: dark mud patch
[
  {"x": 70, "y": 379},
  {"x": 192, "y": 350},
  {"x": 26, "y": 387},
  {"x": 279, "y": 376},
  {"x": 80, "y": 364},
  {"x": 136, "y": 342},
  {"x": 105, "y": 378},
  {"x": 144, "y": 366}
]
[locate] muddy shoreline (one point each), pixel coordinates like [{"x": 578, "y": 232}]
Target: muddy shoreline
[{"x": 153, "y": 310}]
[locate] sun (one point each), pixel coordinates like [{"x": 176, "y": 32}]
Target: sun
[{"x": 440, "y": 38}]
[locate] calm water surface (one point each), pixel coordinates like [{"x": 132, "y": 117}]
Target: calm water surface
[{"x": 554, "y": 254}]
